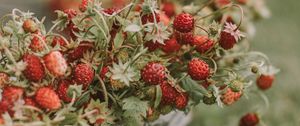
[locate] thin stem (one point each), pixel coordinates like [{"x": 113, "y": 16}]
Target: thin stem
[
  {"x": 104, "y": 88},
  {"x": 89, "y": 113},
  {"x": 51, "y": 29},
  {"x": 128, "y": 12},
  {"x": 205, "y": 4},
  {"x": 58, "y": 35},
  {"x": 242, "y": 15},
  {"x": 213, "y": 13}
]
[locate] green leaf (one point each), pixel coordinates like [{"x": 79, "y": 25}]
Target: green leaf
[
  {"x": 194, "y": 90},
  {"x": 82, "y": 100},
  {"x": 158, "y": 95},
  {"x": 133, "y": 28},
  {"x": 135, "y": 104},
  {"x": 119, "y": 39},
  {"x": 70, "y": 119}
]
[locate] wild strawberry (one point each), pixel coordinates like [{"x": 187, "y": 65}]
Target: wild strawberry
[
  {"x": 71, "y": 13},
  {"x": 198, "y": 69},
  {"x": 58, "y": 41},
  {"x": 146, "y": 18},
  {"x": 83, "y": 5},
  {"x": 202, "y": 43},
  {"x": 229, "y": 36},
  {"x": 169, "y": 9},
  {"x": 184, "y": 38},
  {"x": 165, "y": 19},
  {"x": 171, "y": 45},
  {"x": 242, "y": 1},
  {"x": 84, "y": 74},
  {"x": 5, "y": 106},
  {"x": 36, "y": 44},
  {"x": 153, "y": 73},
  {"x": 62, "y": 90},
  {"x": 30, "y": 26},
  {"x": 229, "y": 97},
  {"x": 12, "y": 93},
  {"x": 55, "y": 63},
  {"x": 103, "y": 72},
  {"x": 206, "y": 84},
  {"x": 35, "y": 70},
  {"x": 184, "y": 23},
  {"x": 30, "y": 101},
  {"x": 169, "y": 93},
  {"x": 152, "y": 46},
  {"x": 181, "y": 101},
  {"x": 209, "y": 99},
  {"x": 250, "y": 119},
  {"x": 222, "y": 3},
  {"x": 1, "y": 121},
  {"x": 78, "y": 52},
  {"x": 4, "y": 78},
  {"x": 47, "y": 98},
  {"x": 264, "y": 82}
]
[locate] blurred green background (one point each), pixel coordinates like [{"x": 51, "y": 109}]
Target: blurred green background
[{"x": 278, "y": 37}]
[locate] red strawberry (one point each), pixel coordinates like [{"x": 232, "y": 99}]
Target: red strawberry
[
  {"x": 29, "y": 101},
  {"x": 103, "y": 72},
  {"x": 229, "y": 36},
  {"x": 55, "y": 63},
  {"x": 62, "y": 90},
  {"x": 221, "y": 3},
  {"x": 181, "y": 101},
  {"x": 71, "y": 13},
  {"x": 184, "y": 23},
  {"x": 198, "y": 69},
  {"x": 206, "y": 84},
  {"x": 83, "y": 5},
  {"x": 47, "y": 98},
  {"x": 58, "y": 41},
  {"x": 152, "y": 46},
  {"x": 84, "y": 74},
  {"x": 78, "y": 52},
  {"x": 165, "y": 19},
  {"x": 264, "y": 82},
  {"x": 184, "y": 38},
  {"x": 169, "y": 93},
  {"x": 5, "y": 106},
  {"x": 227, "y": 41},
  {"x": 1, "y": 121},
  {"x": 153, "y": 73},
  {"x": 35, "y": 70},
  {"x": 250, "y": 119},
  {"x": 4, "y": 78},
  {"x": 36, "y": 44},
  {"x": 30, "y": 26},
  {"x": 146, "y": 18},
  {"x": 203, "y": 43},
  {"x": 12, "y": 93},
  {"x": 169, "y": 9},
  {"x": 242, "y": 1},
  {"x": 171, "y": 45},
  {"x": 229, "y": 97}
]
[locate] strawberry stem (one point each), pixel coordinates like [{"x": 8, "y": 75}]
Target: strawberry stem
[
  {"x": 103, "y": 87},
  {"x": 204, "y": 4},
  {"x": 242, "y": 16}
]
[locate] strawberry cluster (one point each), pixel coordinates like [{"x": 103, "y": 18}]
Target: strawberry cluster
[{"x": 124, "y": 64}]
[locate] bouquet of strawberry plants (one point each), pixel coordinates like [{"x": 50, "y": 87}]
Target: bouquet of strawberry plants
[{"x": 128, "y": 63}]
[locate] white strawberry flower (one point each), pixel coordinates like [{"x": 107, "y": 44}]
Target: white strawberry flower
[{"x": 232, "y": 29}]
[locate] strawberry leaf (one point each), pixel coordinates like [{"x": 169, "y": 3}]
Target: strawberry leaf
[{"x": 158, "y": 95}]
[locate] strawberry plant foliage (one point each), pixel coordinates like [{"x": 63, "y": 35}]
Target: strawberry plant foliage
[{"x": 127, "y": 63}]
